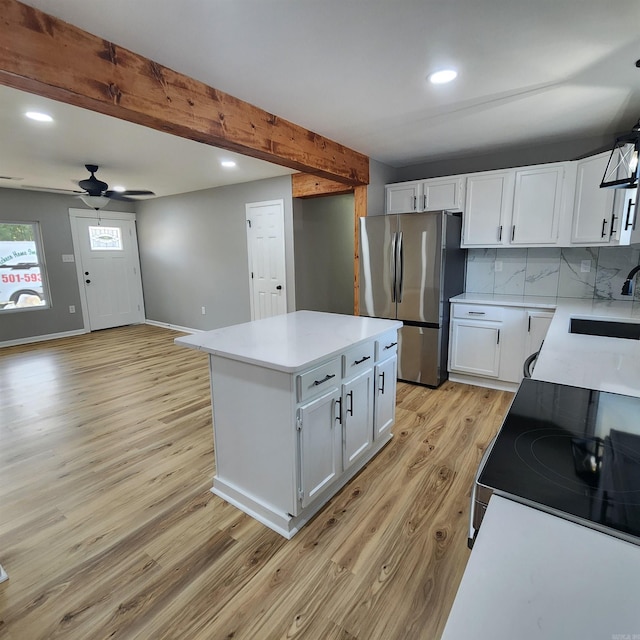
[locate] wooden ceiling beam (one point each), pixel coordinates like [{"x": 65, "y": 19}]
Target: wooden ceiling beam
[
  {"x": 305, "y": 185},
  {"x": 49, "y": 57}
]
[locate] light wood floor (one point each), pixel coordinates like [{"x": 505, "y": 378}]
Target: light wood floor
[{"x": 108, "y": 528}]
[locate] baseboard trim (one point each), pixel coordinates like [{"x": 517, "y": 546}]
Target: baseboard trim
[
  {"x": 48, "y": 336},
  {"x": 175, "y": 327},
  {"x": 489, "y": 383}
]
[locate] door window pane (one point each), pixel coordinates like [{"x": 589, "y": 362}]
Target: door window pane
[
  {"x": 23, "y": 282},
  {"x": 105, "y": 239}
]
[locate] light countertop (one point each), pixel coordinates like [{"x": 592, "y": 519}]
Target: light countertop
[
  {"x": 289, "y": 342},
  {"x": 532, "y": 575},
  {"x": 593, "y": 362}
]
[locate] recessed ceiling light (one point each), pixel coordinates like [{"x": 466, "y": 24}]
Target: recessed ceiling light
[
  {"x": 119, "y": 188},
  {"x": 444, "y": 76},
  {"x": 228, "y": 163},
  {"x": 38, "y": 116}
]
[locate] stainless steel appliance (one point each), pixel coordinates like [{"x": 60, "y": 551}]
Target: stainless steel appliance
[
  {"x": 569, "y": 451},
  {"x": 410, "y": 265}
]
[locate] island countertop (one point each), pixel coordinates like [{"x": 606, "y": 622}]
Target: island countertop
[{"x": 289, "y": 342}]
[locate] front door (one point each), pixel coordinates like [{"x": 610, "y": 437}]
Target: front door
[
  {"x": 107, "y": 250},
  {"x": 265, "y": 245}
]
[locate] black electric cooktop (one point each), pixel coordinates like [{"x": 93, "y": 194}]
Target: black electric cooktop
[{"x": 573, "y": 452}]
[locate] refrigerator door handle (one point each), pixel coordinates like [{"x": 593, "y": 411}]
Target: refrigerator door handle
[
  {"x": 392, "y": 265},
  {"x": 400, "y": 268}
]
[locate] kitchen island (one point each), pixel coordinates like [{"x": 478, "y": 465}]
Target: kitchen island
[{"x": 301, "y": 402}]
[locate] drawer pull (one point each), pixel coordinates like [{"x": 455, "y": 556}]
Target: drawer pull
[
  {"x": 363, "y": 359},
  {"x": 327, "y": 377},
  {"x": 390, "y": 345},
  {"x": 476, "y": 313}
]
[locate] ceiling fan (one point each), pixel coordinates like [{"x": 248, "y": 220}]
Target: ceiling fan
[{"x": 97, "y": 193}]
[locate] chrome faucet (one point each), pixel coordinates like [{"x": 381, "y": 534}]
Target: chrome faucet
[{"x": 627, "y": 287}]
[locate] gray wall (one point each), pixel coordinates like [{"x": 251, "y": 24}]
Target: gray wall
[
  {"x": 506, "y": 158},
  {"x": 323, "y": 238},
  {"x": 379, "y": 175},
  {"x": 52, "y": 212},
  {"x": 193, "y": 253}
]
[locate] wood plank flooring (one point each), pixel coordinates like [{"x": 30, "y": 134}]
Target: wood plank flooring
[{"x": 108, "y": 528}]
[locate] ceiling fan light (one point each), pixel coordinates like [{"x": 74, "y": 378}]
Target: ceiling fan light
[
  {"x": 95, "y": 202},
  {"x": 119, "y": 188}
]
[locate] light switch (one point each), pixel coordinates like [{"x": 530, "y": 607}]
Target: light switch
[
  {"x": 585, "y": 266},
  {"x": 498, "y": 265},
  {"x": 68, "y": 257}
]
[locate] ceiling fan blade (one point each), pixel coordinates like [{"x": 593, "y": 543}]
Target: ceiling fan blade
[
  {"x": 115, "y": 195},
  {"x": 134, "y": 192}
]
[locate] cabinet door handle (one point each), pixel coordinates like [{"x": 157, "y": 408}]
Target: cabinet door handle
[
  {"x": 390, "y": 345},
  {"x": 513, "y": 232},
  {"x": 476, "y": 313},
  {"x": 498, "y": 340},
  {"x": 327, "y": 377},
  {"x": 363, "y": 359},
  {"x": 529, "y": 327},
  {"x": 614, "y": 217},
  {"x": 381, "y": 388},
  {"x": 628, "y": 222},
  {"x": 350, "y": 405},
  {"x": 604, "y": 224},
  {"x": 415, "y": 202},
  {"x": 339, "y": 416},
  {"x": 500, "y": 233},
  {"x": 424, "y": 202}
]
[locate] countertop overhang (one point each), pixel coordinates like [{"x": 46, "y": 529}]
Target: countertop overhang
[{"x": 289, "y": 342}]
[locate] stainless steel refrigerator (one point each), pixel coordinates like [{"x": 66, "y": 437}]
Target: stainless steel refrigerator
[{"x": 410, "y": 265}]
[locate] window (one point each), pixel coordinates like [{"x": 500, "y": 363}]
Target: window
[
  {"x": 23, "y": 281},
  {"x": 105, "y": 239}
]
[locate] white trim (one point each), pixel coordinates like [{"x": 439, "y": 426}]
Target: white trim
[
  {"x": 175, "y": 327},
  {"x": 48, "y": 336},
  {"x": 489, "y": 383}
]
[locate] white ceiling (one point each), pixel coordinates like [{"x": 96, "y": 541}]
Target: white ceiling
[{"x": 530, "y": 72}]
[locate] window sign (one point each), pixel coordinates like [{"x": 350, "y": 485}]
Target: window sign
[
  {"x": 105, "y": 239},
  {"x": 23, "y": 282}
]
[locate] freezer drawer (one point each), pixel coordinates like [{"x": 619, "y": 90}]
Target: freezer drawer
[{"x": 419, "y": 355}]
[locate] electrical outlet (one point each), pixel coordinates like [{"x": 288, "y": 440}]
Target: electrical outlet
[
  {"x": 498, "y": 265},
  {"x": 72, "y": 308},
  {"x": 585, "y": 266},
  {"x": 204, "y": 310}
]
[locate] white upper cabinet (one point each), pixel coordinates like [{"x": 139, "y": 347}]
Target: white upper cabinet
[
  {"x": 537, "y": 204},
  {"x": 601, "y": 216},
  {"x": 442, "y": 193},
  {"x": 434, "y": 194},
  {"x": 487, "y": 209},
  {"x": 403, "y": 197}
]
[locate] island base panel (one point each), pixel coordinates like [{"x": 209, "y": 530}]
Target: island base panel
[{"x": 283, "y": 523}]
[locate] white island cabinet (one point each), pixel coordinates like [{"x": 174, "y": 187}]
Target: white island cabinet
[{"x": 301, "y": 402}]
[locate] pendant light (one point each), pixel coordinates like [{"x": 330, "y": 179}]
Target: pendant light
[{"x": 622, "y": 168}]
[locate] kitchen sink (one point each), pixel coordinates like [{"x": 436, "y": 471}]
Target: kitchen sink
[{"x": 606, "y": 328}]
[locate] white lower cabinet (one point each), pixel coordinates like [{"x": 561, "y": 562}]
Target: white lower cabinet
[
  {"x": 320, "y": 445},
  {"x": 491, "y": 342},
  {"x": 475, "y": 347},
  {"x": 357, "y": 417},
  {"x": 386, "y": 374}
]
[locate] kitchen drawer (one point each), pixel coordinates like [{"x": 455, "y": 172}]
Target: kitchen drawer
[
  {"x": 318, "y": 380},
  {"x": 386, "y": 345},
  {"x": 477, "y": 312},
  {"x": 358, "y": 359}
]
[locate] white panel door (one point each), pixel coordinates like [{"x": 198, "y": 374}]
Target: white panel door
[
  {"x": 110, "y": 267},
  {"x": 265, "y": 244}
]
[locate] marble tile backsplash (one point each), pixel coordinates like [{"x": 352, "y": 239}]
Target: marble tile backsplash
[{"x": 576, "y": 272}]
